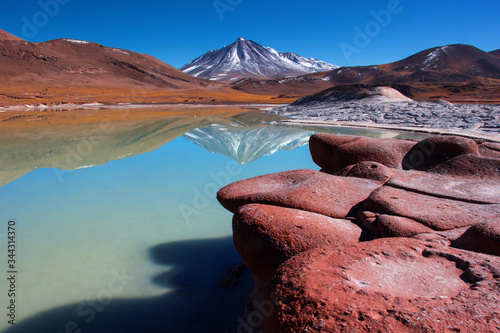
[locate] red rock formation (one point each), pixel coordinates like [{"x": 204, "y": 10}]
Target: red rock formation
[
  {"x": 314, "y": 273},
  {"x": 434, "y": 212},
  {"x": 266, "y": 236},
  {"x": 368, "y": 170},
  {"x": 386, "y": 285},
  {"x": 470, "y": 166},
  {"x": 482, "y": 237},
  {"x": 443, "y": 186},
  {"x": 308, "y": 190},
  {"x": 397, "y": 226},
  {"x": 489, "y": 149},
  {"x": 436, "y": 150},
  {"x": 334, "y": 152}
]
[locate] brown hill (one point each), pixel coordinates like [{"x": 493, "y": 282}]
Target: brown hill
[
  {"x": 459, "y": 72},
  {"x": 80, "y": 63},
  {"x": 452, "y": 63},
  {"x": 4, "y": 35},
  {"x": 496, "y": 53}
]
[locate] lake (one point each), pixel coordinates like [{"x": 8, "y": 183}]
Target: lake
[{"x": 117, "y": 225}]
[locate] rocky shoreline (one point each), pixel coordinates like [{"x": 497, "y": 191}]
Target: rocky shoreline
[
  {"x": 390, "y": 236},
  {"x": 477, "y": 119}
]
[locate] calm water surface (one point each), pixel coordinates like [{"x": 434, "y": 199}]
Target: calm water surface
[{"x": 118, "y": 230}]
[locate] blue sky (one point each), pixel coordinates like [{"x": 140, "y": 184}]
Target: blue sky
[{"x": 343, "y": 32}]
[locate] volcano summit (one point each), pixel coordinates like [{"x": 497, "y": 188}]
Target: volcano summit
[{"x": 248, "y": 59}]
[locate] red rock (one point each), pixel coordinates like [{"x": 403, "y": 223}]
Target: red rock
[
  {"x": 475, "y": 167},
  {"x": 368, "y": 221},
  {"x": 436, "y": 150},
  {"x": 481, "y": 237},
  {"x": 452, "y": 234},
  {"x": 322, "y": 147},
  {"x": 397, "y": 226},
  {"x": 389, "y": 152},
  {"x": 342, "y": 172},
  {"x": 307, "y": 190},
  {"x": 366, "y": 215},
  {"x": 445, "y": 186},
  {"x": 489, "y": 149},
  {"x": 442, "y": 237},
  {"x": 434, "y": 238},
  {"x": 386, "y": 285},
  {"x": 334, "y": 152},
  {"x": 266, "y": 236},
  {"x": 433, "y": 212},
  {"x": 371, "y": 170}
]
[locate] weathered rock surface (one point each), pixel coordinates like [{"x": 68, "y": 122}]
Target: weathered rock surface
[
  {"x": 482, "y": 237},
  {"x": 308, "y": 190},
  {"x": 369, "y": 170},
  {"x": 444, "y": 186},
  {"x": 334, "y": 152},
  {"x": 397, "y": 226},
  {"x": 436, "y": 150},
  {"x": 433, "y": 212},
  {"x": 386, "y": 285},
  {"x": 376, "y": 242},
  {"x": 489, "y": 149},
  {"x": 266, "y": 236},
  {"x": 470, "y": 166}
]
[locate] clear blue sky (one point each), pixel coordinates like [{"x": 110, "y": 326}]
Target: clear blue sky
[{"x": 179, "y": 31}]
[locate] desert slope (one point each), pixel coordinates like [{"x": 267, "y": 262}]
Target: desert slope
[
  {"x": 4, "y": 35},
  {"x": 81, "y": 63},
  {"x": 458, "y": 73}
]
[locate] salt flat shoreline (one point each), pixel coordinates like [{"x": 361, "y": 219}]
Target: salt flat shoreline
[
  {"x": 90, "y": 106},
  {"x": 345, "y": 115},
  {"x": 436, "y": 131},
  {"x": 469, "y": 120}
]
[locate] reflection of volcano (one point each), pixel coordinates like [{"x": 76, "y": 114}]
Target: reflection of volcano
[
  {"x": 89, "y": 138},
  {"x": 245, "y": 143}
]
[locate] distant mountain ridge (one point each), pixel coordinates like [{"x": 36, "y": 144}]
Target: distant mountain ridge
[
  {"x": 248, "y": 59},
  {"x": 82, "y": 63},
  {"x": 456, "y": 68}
]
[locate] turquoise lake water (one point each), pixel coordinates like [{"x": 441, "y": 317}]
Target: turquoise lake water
[{"x": 138, "y": 242}]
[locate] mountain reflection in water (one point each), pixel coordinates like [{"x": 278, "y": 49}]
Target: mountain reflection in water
[
  {"x": 246, "y": 144},
  {"x": 83, "y": 143}
]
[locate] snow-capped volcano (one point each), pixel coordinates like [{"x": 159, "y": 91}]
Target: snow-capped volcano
[{"x": 247, "y": 59}]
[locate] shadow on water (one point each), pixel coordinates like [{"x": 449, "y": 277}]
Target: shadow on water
[{"x": 197, "y": 303}]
